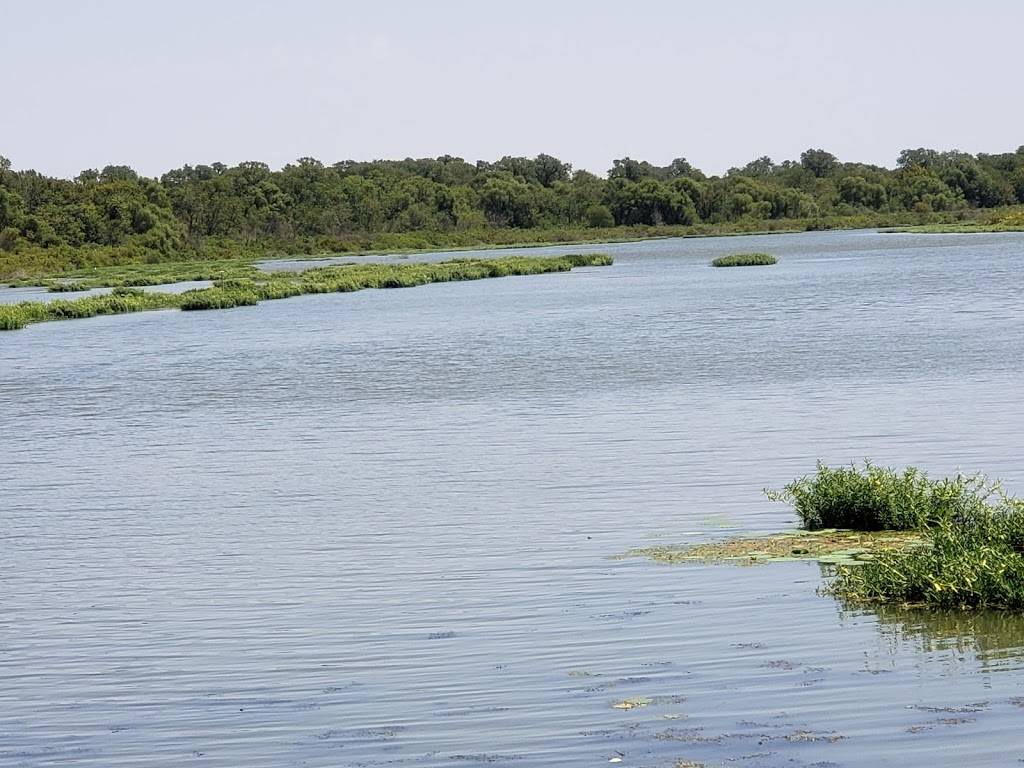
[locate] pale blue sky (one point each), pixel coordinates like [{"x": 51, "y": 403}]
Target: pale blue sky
[{"x": 155, "y": 85}]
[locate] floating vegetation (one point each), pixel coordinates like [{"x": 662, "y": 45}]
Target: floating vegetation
[
  {"x": 241, "y": 290},
  {"x": 827, "y": 546},
  {"x": 628, "y": 704},
  {"x": 952, "y": 543},
  {"x": 745, "y": 260}
]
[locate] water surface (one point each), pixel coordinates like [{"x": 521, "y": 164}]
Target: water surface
[{"x": 379, "y": 528}]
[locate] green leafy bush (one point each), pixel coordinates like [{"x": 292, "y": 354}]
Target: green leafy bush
[
  {"x": 873, "y": 498},
  {"x": 972, "y": 559}
]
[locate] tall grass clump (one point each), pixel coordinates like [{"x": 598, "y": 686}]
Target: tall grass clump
[
  {"x": 219, "y": 298},
  {"x": 970, "y": 548},
  {"x": 972, "y": 559},
  {"x": 873, "y": 498},
  {"x": 12, "y": 318},
  {"x": 745, "y": 260},
  {"x": 16, "y": 316}
]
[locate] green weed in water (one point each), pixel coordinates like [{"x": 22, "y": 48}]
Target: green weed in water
[
  {"x": 245, "y": 286},
  {"x": 745, "y": 260},
  {"x": 873, "y": 498}
]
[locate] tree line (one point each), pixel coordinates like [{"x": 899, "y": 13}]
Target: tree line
[{"x": 313, "y": 204}]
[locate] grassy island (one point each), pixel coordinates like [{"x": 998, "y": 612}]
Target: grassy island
[
  {"x": 745, "y": 260},
  {"x": 894, "y": 537},
  {"x": 256, "y": 286}
]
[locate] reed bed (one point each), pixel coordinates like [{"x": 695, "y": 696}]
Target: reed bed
[
  {"x": 745, "y": 260},
  {"x": 970, "y": 553},
  {"x": 251, "y": 287},
  {"x": 874, "y": 498}
]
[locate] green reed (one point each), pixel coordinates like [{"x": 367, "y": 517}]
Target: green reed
[
  {"x": 745, "y": 260},
  {"x": 236, "y": 288}
]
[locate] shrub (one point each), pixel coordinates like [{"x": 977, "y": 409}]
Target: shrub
[
  {"x": 599, "y": 216},
  {"x": 873, "y": 498},
  {"x": 974, "y": 559}
]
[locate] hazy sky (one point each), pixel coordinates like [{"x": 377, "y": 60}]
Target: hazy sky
[{"x": 86, "y": 83}]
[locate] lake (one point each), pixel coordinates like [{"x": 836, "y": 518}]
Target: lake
[{"x": 384, "y": 528}]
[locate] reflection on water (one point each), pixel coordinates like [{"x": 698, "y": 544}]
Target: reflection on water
[
  {"x": 992, "y": 640},
  {"x": 377, "y": 528}
]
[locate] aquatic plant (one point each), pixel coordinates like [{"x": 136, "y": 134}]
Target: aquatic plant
[
  {"x": 974, "y": 558},
  {"x": 745, "y": 260},
  {"x": 874, "y": 498},
  {"x": 903, "y": 539},
  {"x": 137, "y": 275},
  {"x": 969, "y": 551},
  {"x": 826, "y": 546},
  {"x": 245, "y": 290},
  {"x": 65, "y": 286},
  {"x": 218, "y": 298},
  {"x": 15, "y": 316}
]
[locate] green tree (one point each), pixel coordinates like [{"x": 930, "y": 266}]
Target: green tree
[{"x": 818, "y": 162}]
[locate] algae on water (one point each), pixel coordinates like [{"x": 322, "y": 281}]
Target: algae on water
[{"x": 838, "y": 547}]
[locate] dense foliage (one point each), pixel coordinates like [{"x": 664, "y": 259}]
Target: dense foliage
[
  {"x": 116, "y": 216},
  {"x": 971, "y": 552},
  {"x": 973, "y": 558},
  {"x": 873, "y": 498}
]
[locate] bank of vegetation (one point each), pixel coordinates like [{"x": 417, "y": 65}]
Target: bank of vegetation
[
  {"x": 214, "y": 212},
  {"x": 895, "y": 537},
  {"x": 745, "y": 260},
  {"x": 1001, "y": 220},
  {"x": 229, "y": 292}
]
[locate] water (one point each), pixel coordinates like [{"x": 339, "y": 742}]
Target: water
[
  {"x": 10, "y": 295},
  {"x": 380, "y": 528}
]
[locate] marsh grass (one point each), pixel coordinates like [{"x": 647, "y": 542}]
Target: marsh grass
[
  {"x": 16, "y": 316},
  {"x": 893, "y": 537},
  {"x": 874, "y": 498},
  {"x": 745, "y": 260},
  {"x": 970, "y": 553},
  {"x": 972, "y": 559},
  {"x": 140, "y": 275},
  {"x": 992, "y": 220},
  {"x": 246, "y": 288}
]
